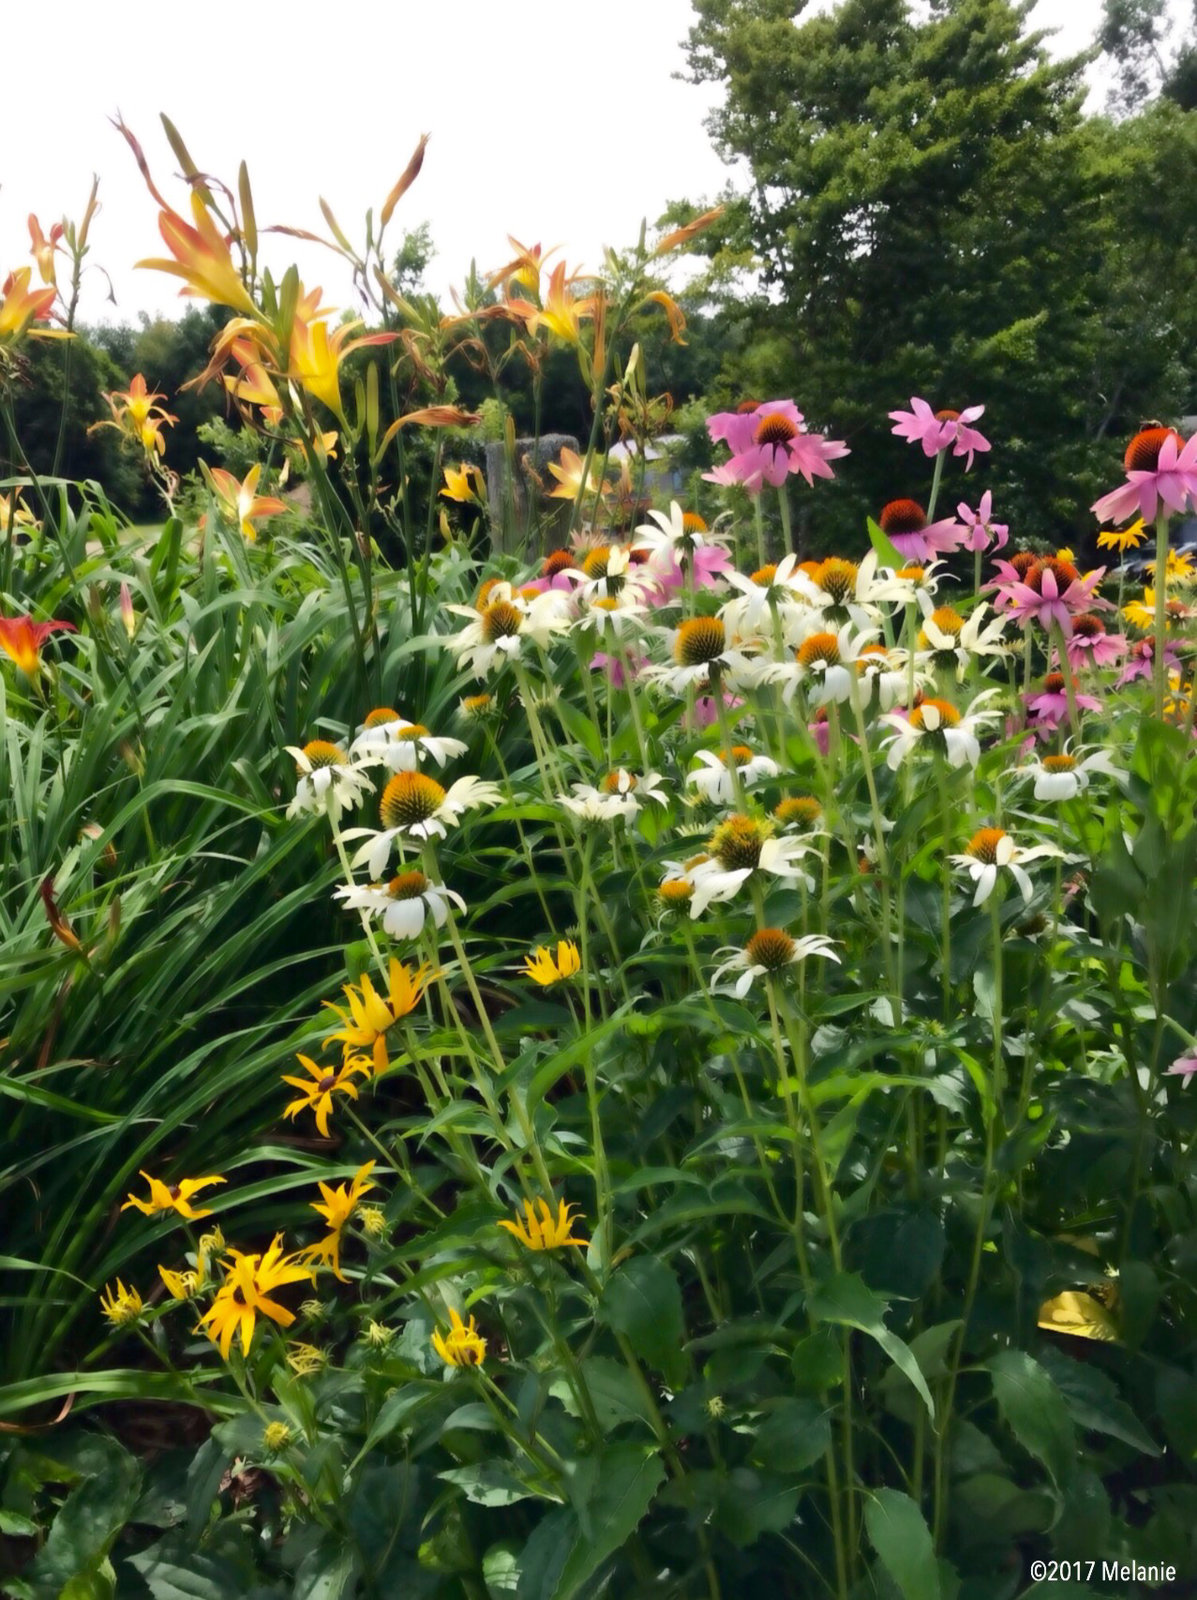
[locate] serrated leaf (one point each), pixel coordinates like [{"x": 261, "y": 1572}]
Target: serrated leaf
[
  {"x": 902, "y": 1540},
  {"x": 847, "y": 1300},
  {"x": 1035, "y": 1412}
]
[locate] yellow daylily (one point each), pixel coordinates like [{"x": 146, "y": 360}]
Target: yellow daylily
[
  {"x": 317, "y": 352},
  {"x": 136, "y": 414},
  {"x": 570, "y": 474},
  {"x": 201, "y": 257},
  {"x": 546, "y": 1231},
  {"x": 240, "y": 502},
  {"x": 371, "y": 1015},
  {"x": 464, "y": 483},
  {"x": 544, "y": 968}
]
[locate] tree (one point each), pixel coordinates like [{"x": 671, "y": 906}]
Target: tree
[{"x": 931, "y": 214}]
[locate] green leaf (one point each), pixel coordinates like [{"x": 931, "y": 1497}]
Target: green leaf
[
  {"x": 642, "y": 1301},
  {"x": 615, "y": 1490},
  {"x": 88, "y": 1522},
  {"x": 847, "y": 1300},
  {"x": 616, "y": 1396},
  {"x": 793, "y": 1436},
  {"x": 1035, "y": 1412},
  {"x": 887, "y": 554},
  {"x": 752, "y": 1503},
  {"x": 902, "y": 1540},
  {"x": 491, "y": 1483},
  {"x": 1093, "y": 1401}
]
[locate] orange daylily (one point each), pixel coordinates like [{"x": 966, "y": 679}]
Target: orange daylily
[
  {"x": 201, "y": 257},
  {"x": 526, "y": 268},
  {"x": 561, "y": 312},
  {"x": 240, "y": 502},
  {"x": 252, "y": 385},
  {"x": 136, "y": 414},
  {"x": 689, "y": 230},
  {"x": 430, "y": 417},
  {"x": 43, "y": 249},
  {"x": 20, "y": 306},
  {"x": 22, "y": 639},
  {"x": 317, "y": 353}
]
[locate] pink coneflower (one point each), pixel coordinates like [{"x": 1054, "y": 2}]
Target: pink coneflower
[
  {"x": 1140, "y": 662},
  {"x": 905, "y": 525},
  {"x": 1049, "y": 706},
  {"x": 711, "y": 563},
  {"x": 1184, "y": 1067},
  {"x": 706, "y": 712},
  {"x": 982, "y": 532},
  {"x": 820, "y": 730},
  {"x": 939, "y": 430},
  {"x": 1159, "y": 468},
  {"x": 1090, "y": 645},
  {"x": 1052, "y": 591},
  {"x": 769, "y": 444},
  {"x": 615, "y": 668}
]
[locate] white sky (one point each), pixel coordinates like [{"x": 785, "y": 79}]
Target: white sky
[{"x": 551, "y": 122}]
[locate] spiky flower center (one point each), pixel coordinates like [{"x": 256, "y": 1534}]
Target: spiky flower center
[
  {"x": 1054, "y": 683},
  {"x": 933, "y": 714},
  {"x": 699, "y": 640},
  {"x": 837, "y": 578},
  {"x": 948, "y": 620},
  {"x": 1088, "y": 626},
  {"x": 1059, "y": 763},
  {"x": 407, "y": 886},
  {"x": 619, "y": 783},
  {"x": 320, "y": 753},
  {"x": 1143, "y": 452},
  {"x": 413, "y": 731},
  {"x": 802, "y": 809},
  {"x": 408, "y": 798},
  {"x": 1062, "y": 571},
  {"x": 380, "y": 716},
  {"x": 738, "y": 756},
  {"x": 764, "y": 576},
  {"x": 1022, "y": 561},
  {"x": 902, "y": 516},
  {"x": 947, "y": 415},
  {"x": 693, "y": 523},
  {"x": 675, "y": 892},
  {"x": 747, "y": 407},
  {"x": 596, "y": 562},
  {"x": 476, "y": 705},
  {"x": 871, "y": 655},
  {"x": 775, "y": 429},
  {"x": 821, "y": 648},
  {"x": 484, "y": 593},
  {"x": 771, "y": 948},
  {"x": 983, "y": 846},
  {"x": 501, "y": 621},
  {"x": 556, "y": 561},
  {"x": 736, "y": 843},
  {"x": 912, "y": 574}
]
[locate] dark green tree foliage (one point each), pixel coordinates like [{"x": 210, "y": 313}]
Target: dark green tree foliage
[{"x": 933, "y": 214}]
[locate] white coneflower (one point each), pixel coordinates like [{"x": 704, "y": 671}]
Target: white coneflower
[
  {"x": 411, "y": 740},
  {"x": 950, "y": 640},
  {"x": 992, "y": 850},
  {"x": 768, "y": 954},
  {"x": 508, "y": 620},
  {"x": 328, "y": 780},
  {"x": 824, "y": 664},
  {"x": 740, "y": 846},
  {"x": 885, "y": 673},
  {"x": 937, "y": 723},
  {"x": 675, "y": 534},
  {"x": 850, "y": 591},
  {"x": 713, "y": 779},
  {"x": 1063, "y": 777},
  {"x": 404, "y": 904},
  {"x": 610, "y": 574},
  {"x": 374, "y": 733},
  {"x": 416, "y": 806},
  {"x": 779, "y": 590},
  {"x": 620, "y": 796},
  {"x": 700, "y": 651},
  {"x": 622, "y": 618}
]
